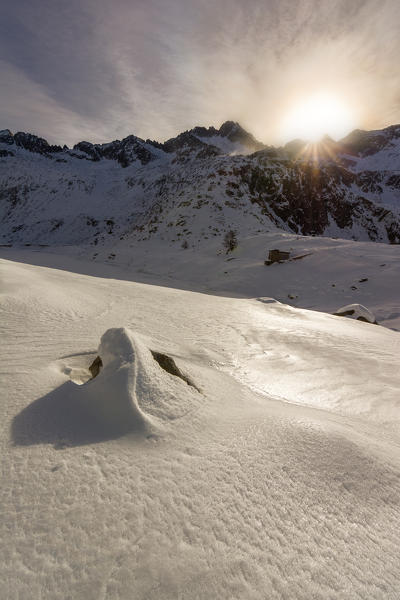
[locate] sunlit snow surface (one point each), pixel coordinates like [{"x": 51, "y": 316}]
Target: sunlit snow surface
[{"x": 278, "y": 477}]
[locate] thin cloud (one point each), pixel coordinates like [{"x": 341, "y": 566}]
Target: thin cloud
[{"x": 101, "y": 70}]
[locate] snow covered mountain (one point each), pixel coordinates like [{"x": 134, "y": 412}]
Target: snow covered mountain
[{"x": 198, "y": 185}]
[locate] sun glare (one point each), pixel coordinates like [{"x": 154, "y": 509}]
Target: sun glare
[{"x": 316, "y": 116}]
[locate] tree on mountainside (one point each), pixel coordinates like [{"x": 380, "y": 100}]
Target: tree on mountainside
[{"x": 230, "y": 240}]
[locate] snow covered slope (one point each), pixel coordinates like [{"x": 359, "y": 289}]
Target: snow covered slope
[
  {"x": 322, "y": 274},
  {"x": 202, "y": 183},
  {"x": 277, "y": 476}
]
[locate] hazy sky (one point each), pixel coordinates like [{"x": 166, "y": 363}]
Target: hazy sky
[{"x": 102, "y": 69}]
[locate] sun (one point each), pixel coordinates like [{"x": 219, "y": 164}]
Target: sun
[{"x": 318, "y": 115}]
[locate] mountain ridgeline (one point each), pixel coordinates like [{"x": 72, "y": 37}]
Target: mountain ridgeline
[{"x": 197, "y": 186}]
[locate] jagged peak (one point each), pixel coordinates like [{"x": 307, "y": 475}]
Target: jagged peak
[
  {"x": 229, "y": 127},
  {"x": 204, "y": 132},
  {"x": 130, "y": 148},
  {"x": 6, "y": 137},
  {"x": 195, "y": 138},
  {"x": 365, "y": 143},
  {"x": 234, "y": 132}
]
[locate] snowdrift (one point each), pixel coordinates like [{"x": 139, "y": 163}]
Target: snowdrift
[
  {"x": 136, "y": 390},
  {"x": 137, "y": 384}
]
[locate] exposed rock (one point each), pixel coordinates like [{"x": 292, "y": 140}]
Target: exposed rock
[
  {"x": 5, "y": 153},
  {"x": 366, "y": 143},
  {"x": 89, "y": 149},
  {"x": 33, "y": 143},
  {"x": 6, "y": 137},
  {"x": 235, "y": 133},
  {"x": 168, "y": 364},
  {"x": 358, "y": 312},
  {"x": 183, "y": 140},
  {"x": 204, "y": 132},
  {"x": 96, "y": 366}
]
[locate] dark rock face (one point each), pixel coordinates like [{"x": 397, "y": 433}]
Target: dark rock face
[
  {"x": 366, "y": 143},
  {"x": 229, "y": 130},
  {"x": 6, "y": 137},
  {"x": 305, "y": 196},
  {"x": 168, "y": 364},
  {"x": 302, "y": 196},
  {"x": 182, "y": 141},
  {"x": 394, "y": 181},
  {"x": 125, "y": 152},
  {"x": 235, "y": 133},
  {"x": 95, "y": 367},
  {"x": 208, "y": 152},
  {"x": 5, "y": 153},
  {"x": 89, "y": 149},
  {"x": 204, "y": 132},
  {"x": 134, "y": 146},
  {"x": 369, "y": 181},
  {"x": 34, "y": 144}
]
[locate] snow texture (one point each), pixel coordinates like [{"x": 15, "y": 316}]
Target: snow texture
[{"x": 280, "y": 479}]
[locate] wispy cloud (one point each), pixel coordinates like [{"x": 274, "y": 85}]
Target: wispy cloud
[{"x": 98, "y": 70}]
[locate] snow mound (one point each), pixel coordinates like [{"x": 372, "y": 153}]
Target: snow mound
[
  {"x": 136, "y": 390},
  {"x": 356, "y": 311},
  {"x": 136, "y": 384}
]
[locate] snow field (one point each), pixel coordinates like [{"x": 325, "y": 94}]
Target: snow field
[
  {"x": 229, "y": 493},
  {"x": 332, "y": 273}
]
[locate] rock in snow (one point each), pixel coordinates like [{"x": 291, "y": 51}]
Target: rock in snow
[
  {"x": 132, "y": 389},
  {"x": 95, "y": 367},
  {"x": 357, "y": 311}
]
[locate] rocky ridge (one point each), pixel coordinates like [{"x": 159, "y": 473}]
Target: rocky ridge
[{"x": 197, "y": 186}]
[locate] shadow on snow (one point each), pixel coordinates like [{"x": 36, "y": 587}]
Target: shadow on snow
[{"x": 63, "y": 418}]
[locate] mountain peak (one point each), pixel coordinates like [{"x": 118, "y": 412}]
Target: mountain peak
[
  {"x": 234, "y": 132},
  {"x": 6, "y": 137},
  {"x": 230, "y": 127},
  {"x": 231, "y": 138}
]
